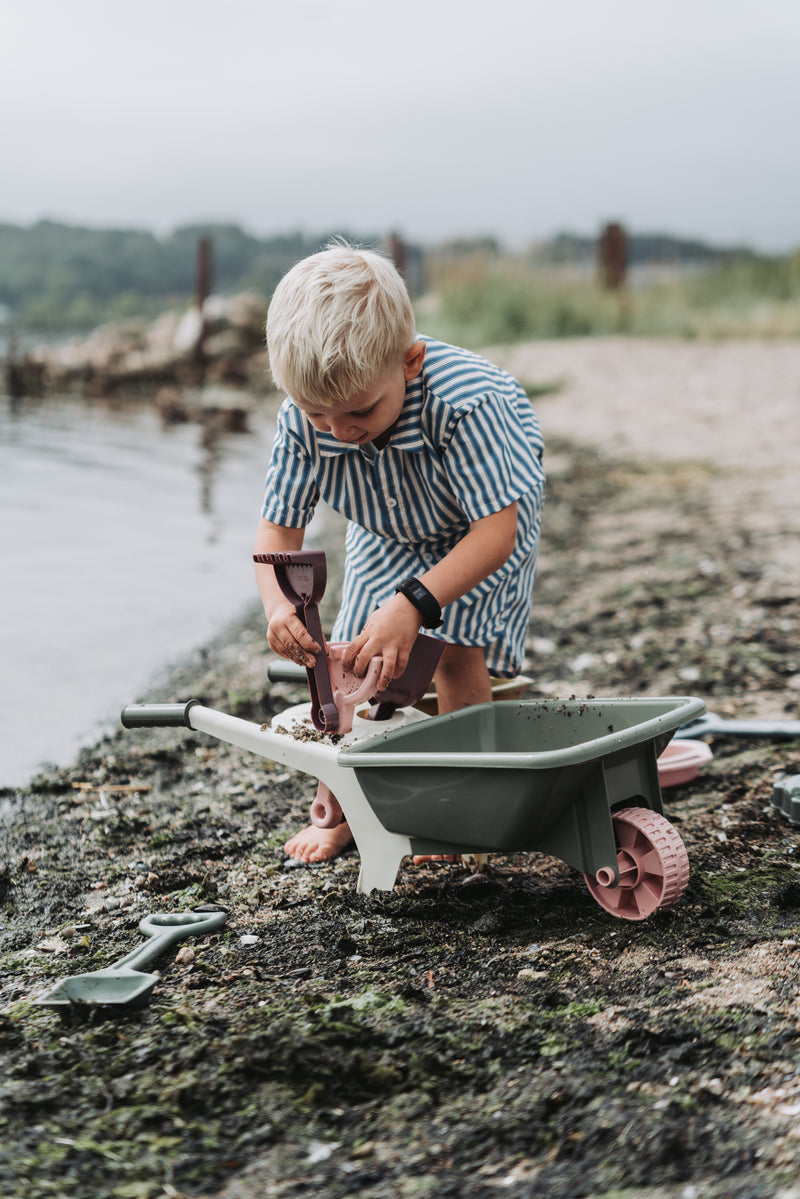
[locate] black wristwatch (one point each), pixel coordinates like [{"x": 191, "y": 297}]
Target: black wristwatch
[{"x": 426, "y": 604}]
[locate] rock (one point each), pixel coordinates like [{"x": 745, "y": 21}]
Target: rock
[
  {"x": 188, "y": 332},
  {"x": 223, "y": 344}
]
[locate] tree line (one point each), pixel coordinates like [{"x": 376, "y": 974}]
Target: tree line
[
  {"x": 62, "y": 276},
  {"x": 57, "y": 276}
]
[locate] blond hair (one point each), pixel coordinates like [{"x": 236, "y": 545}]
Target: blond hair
[{"x": 338, "y": 322}]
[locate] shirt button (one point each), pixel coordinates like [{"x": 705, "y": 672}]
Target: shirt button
[{"x": 391, "y": 503}]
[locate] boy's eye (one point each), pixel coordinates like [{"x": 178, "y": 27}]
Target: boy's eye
[{"x": 364, "y": 411}]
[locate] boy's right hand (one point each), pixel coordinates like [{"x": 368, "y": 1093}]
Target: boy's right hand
[{"x": 288, "y": 637}]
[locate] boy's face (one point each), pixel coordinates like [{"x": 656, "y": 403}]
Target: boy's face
[{"x": 369, "y": 415}]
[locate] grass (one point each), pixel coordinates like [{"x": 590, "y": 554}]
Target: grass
[{"x": 486, "y": 300}]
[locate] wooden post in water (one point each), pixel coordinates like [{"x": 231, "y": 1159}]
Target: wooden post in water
[
  {"x": 202, "y": 292},
  {"x": 12, "y": 376},
  {"x": 203, "y": 283}
]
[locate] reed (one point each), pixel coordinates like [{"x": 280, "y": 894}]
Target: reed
[{"x": 487, "y": 300}]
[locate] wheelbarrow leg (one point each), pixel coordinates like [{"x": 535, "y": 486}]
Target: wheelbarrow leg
[
  {"x": 379, "y": 865},
  {"x": 381, "y": 852}
]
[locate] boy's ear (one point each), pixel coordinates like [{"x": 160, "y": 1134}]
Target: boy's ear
[{"x": 412, "y": 363}]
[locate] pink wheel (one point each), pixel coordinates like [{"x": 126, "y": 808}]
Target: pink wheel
[{"x": 652, "y": 862}]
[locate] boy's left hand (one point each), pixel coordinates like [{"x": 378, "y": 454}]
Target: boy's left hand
[{"x": 391, "y": 632}]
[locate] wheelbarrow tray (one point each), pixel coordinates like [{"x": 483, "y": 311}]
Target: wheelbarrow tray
[{"x": 520, "y": 775}]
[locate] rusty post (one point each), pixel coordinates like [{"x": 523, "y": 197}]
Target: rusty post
[
  {"x": 203, "y": 282},
  {"x": 397, "y": 253},
  {"x": 612, "y": 266},
  {"x": 12, "y": 376},
  {"x": 612, "y": 256},
  {"x": 202, "y": 292}
]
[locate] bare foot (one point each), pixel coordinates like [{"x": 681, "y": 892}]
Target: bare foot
[{"x": 318, "y": 844}]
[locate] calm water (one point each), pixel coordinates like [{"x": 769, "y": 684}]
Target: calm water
[{"x": 122, "y": 547}]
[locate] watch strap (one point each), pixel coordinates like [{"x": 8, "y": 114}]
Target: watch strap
[{"x": 426, "y": 604}]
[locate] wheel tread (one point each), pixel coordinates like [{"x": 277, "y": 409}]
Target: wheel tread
[{"x": 663, "y": 865}]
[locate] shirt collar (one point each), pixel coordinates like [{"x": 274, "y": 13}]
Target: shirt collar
[{"x": 407, "y": 433}]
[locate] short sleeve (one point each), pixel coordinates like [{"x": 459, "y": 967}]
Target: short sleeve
[
  {"x": 491, "y": 459},
  {"x": 290, "y": 491}
]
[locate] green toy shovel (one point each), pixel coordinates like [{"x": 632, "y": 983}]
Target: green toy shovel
[{"x": 124, "y": 982}]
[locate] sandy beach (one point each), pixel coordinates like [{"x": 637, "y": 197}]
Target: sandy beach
[{"x": 733, "y": 407}]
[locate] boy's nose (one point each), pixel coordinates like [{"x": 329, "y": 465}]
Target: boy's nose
[{"x": 344, "y": 430}]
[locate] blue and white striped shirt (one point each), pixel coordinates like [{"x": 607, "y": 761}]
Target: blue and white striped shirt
[{"x": 466, "y": 445}]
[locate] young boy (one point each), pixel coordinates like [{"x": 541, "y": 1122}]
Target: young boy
[{"x": 433, "y": 454}]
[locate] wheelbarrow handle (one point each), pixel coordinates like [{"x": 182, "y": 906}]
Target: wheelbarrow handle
[
  {"x": 286, "y": 672},
  {"x": 141, "y": 716}
]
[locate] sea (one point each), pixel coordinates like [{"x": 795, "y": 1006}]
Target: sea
[{"x": 124, "y": 545}]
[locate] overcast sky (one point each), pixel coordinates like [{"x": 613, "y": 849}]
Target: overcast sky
[{"x": 434, "y": 118}]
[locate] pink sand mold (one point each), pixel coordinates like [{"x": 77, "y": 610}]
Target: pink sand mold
[
  {"x": 326, "y": 811},
  {"x": 349, "y": 692},
  {"x": 681, "y": 761}
]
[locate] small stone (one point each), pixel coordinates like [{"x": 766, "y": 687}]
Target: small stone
[{"x": 366, "y": 1149}]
